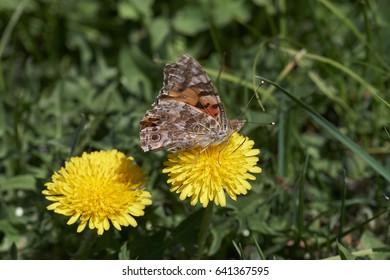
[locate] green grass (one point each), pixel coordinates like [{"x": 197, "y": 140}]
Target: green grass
[{"x": 79, "y": 75}]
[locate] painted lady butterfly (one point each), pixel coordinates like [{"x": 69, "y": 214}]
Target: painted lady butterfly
[{"x": 187, "y": 113}]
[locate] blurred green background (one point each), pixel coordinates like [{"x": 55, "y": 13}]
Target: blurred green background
[{"x": 79, "y": 75}]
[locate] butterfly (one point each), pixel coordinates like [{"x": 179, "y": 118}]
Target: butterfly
[{"x": 187, "y": 113}]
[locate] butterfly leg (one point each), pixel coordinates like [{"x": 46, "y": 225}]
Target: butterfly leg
[{"x": 226, "y": 143}]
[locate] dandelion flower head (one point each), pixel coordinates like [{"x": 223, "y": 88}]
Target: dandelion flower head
[
  {"x": 97, "y": 188},
  {"x": 206, "y": 175}
]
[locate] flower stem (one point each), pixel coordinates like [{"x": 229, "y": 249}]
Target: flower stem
[
  {"x": 203, "y": 231},
  {"x": 86, "y": 244}
]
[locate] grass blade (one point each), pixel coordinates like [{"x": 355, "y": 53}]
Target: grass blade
[
  {"x": 332, "y": 130},
  {"x": 370, "y": 88}
]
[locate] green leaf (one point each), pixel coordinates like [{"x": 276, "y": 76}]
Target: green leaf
[
  {"x": 24, "y": 182},
  {"x": 134, "y": 79},
  {"x": 134, "y": 10},
  {"x": 269, "y": 5},
  {"x": 190, "y": 20},
  {"x": 159, "y": 31},
  {"x": 370, "y": 241},
  {"x": 124, "y": 252},
  {"x": 9, "y": 229},
  {"x": 227, "y": 11},
  {"x": 344, "y": 253}
]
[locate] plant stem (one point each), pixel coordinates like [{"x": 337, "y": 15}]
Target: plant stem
[{"x": 203, "y": 231}]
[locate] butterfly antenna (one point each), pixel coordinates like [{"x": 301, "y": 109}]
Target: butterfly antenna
[{"x": 250, "y": 100}]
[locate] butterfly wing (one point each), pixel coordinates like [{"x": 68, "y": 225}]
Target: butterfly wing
[
  {"x": 187, "y": 113},
  {"x": 175, "y": 126},
  {"x": 187, "y": 82}
]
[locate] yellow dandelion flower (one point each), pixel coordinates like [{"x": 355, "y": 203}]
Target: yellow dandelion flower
[
  {"x": 97, "y": 188},
  {"x": 206, "y": 175}
]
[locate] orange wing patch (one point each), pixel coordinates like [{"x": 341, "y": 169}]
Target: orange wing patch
[{"x": 197, "y": 98}]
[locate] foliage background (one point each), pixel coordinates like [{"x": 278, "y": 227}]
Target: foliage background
[{"x": 79, "y": 75}]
